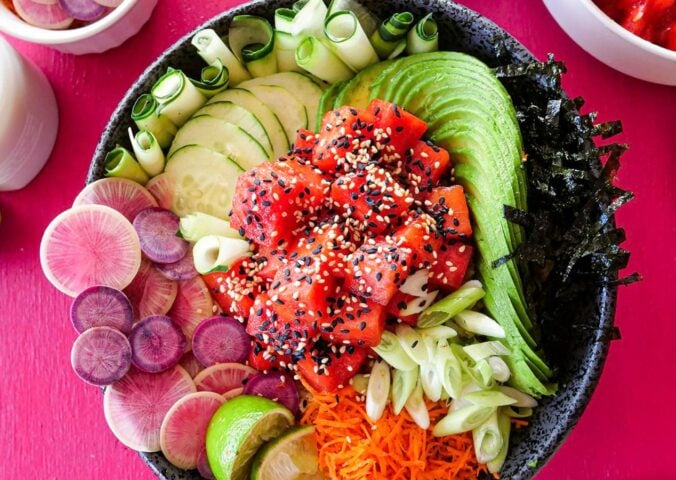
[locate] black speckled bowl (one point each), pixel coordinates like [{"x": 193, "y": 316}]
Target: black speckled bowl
[{"x": 579, "y": 357}]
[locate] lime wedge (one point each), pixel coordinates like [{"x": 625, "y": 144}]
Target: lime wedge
[
  {"x": 238, "y": 429},
  {"x": 292, "y": 456}
]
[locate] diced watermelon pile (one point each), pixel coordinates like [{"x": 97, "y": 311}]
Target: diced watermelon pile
[{"x": 339, "y": 224}]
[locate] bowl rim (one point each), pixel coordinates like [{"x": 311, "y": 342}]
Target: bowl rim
[
  {"x": 596, "y": 352},
  {"x": 625, "y": 34},
  {"x": 45, "y": 36}
]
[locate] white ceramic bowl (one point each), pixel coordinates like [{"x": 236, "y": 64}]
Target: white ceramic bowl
[
  {"x": 608, "y": 42},
  {"x": 108, "y": 32}
]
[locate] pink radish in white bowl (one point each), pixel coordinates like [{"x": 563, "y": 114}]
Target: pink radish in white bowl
[
  {"x": 85, "y": 10},
  {"x": 51, "y": 16}
]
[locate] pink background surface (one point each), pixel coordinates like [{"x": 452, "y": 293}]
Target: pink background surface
[{"x": 52, "y": 425}]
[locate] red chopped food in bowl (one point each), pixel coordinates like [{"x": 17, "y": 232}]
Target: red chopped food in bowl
[{"x": 653, "y": 20}]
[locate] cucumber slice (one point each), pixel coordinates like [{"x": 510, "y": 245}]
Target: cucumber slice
[
  {"x": 302, "y": 87},
  {"x": 243, "y": 118},
  {"x": 272, "y": 125},
  {"x": 204, "y": 181},
  {"x": 291, "y": 112},
  {"x": 222, "y": 137}
]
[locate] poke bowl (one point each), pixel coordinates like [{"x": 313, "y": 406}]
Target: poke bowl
[{"x": 569, "y": 258}]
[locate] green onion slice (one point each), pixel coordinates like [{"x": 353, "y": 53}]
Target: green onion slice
[
  {"x": 448, "y": 307},
  {"x": 449, "y": 369},
  {"x": 349, "y": 41},
  {"x": 412, "y": 343},
  {"x": 360, "y": 383},
  {"x": 390, "y": 33},
  {"x": 368, "y": 21},
  {"x": 392, "y": 352},
  {"x": 501, "y": 371},
  {"x": 479, "y": 351},
  {"x": 523, "y": 400},
  {"x": 197, "y": 225},
  {"x": 478, "y": 323},
  {"x": 211, "y": 48},
  {"x": 378, "y": 391},
  {"x": 440, "y": 332},
  {"x": 431, "y": 381},
  {"x": 145, "y": 116},
  {"x": 416, "y": 408},
  {"x": 489, "y": 398},
  {"x": 252, "y": 40},
  {"x": 424, "y": 37},
  {"x": 504, "y": 427},
  {"x": 315, "y": 57},
  {"x": 215, "y": 251},
  {"x": 214, "y": 78},
  {"x": 488, "y": 439},
  {"x": 403, "y": 384},
  {"x": 119, "y": 162},
  {"x": 177, "y": 97},
  {"x": 462, "y": 420},
  {"x": 148, "y": 152}
]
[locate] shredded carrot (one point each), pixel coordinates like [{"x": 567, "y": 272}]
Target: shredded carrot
[{"x": 351, "y": 447}]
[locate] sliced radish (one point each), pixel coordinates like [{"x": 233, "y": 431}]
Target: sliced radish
[
  {"x": 135, "y": 406},
  {"x": 157, "y": 228},
  {"x": 184, "y": 269},
  {"x": 42, "y": 14},
  {"x": 223, "y": 377},
  {"x": 162, "y": 188},
  {"x": 193, "y": 304},
  {"x": 90, "y": 245},
  {"x": 101, "y": 356},
  {"x": 47, "y": 2},
  {"x": 86, "y": 10},
  {"x": 184, "y": 429},
  {"x": 151, "y": 293},
  {"x": 220, "y": 340},
  {"x": 109, "y": 3},
  {"x": 275, "y": 386},
  {"x": 190, "y": 363},
  {"x": 235, "y": 392},
  {"x": 203, "y": 466},
  {"x": 101, "y": 306},
  {"x": 156, "y": 344},
  {"x": 124, "y": 195}
]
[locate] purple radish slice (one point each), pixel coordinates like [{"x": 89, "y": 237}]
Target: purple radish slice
[
  {"x": 86, "y": 10},
  {"x": 135, "y": 406},
  {"x": 101, "y": 306},
  {"x": 90, "y": 245},
  {"x": 162, "y": 187},
  {"x": 151, "y": 293},
  {"x": 184, "y": 269},
  {"x": 157, "y": 228},
  {"x": 192, "y": 305},
  {"x": 223, "y": 377},
  {"x": 156, "y": 344},
  {"x": 235, "y": 392},
  {"x": 122, "y": 194},
  {"x": 220, "y": 340},
  {"x": 184, "y": 429},
  {"x": 109, "y": 3},
  {"x": 47, "y": 2},
  {"x": 203, "y": 466},
  {"x": 190, "y": 363},
  {"x": 43, "y": 15},
  {"x": 101, "y": 355},
  {"x": 275, "y": 386}
]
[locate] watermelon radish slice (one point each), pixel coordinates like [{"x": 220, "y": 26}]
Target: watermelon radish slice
[
  {"x": 101, "y": 355},
  {"x": 223, "y": 377},
  {"x": 157, "y": 228},
  {"x": 190, "y": 363},
  {"x": 109, "y": 3},
  {"x": 42, "y": 14},
  {"x": 86, "y": 10},
  {"x": 156, "y": 343},
  {"x": 101, "y": 306},
  {"x": 135, "y": 406},
  {"x": 192, "y": 305},
  {"x": 184, "y": 429},
  {"x": 162, "y": 187},
  {"x": 203, "y": 466},
  {"x": 150, "y": 293},
  {"x": 235, "y": 392},
  {"x": 184, "y": 269},
  {"x": 275, "y": 386},
  {"x": 90, "y": 245},
  {"x": 220, "y": 340},
  {"x": 124, "y": 195}
]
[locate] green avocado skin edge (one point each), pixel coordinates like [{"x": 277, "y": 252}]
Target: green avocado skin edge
[{"x": 469, "y": 112}]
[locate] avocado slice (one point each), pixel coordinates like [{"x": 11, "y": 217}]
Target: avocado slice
[
  {"x": 326, "y": 102},
  {"x": 469, "y": 112}
]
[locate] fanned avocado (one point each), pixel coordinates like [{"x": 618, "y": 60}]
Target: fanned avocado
[
  {"x": 470, "y": 113},
  {"x": 356, "y": 92}
]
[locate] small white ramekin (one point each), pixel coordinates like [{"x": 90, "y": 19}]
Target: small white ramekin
[
  {"x": 609, "y": 42},
  {"x": 108, "y": 32}
]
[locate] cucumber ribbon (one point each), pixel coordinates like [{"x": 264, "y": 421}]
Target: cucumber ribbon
[
  {"x": 145, "y": 115},
  {"x": 252, "y": 40},
  {"x": 211, "y": 48},
  {"x": 119, "y": 162}
]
